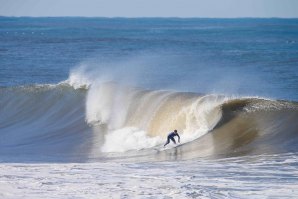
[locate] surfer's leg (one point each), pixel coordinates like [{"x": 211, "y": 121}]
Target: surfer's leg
[
  {"x": 168, "y": 141},
  {"x": 173, "y": 140}
]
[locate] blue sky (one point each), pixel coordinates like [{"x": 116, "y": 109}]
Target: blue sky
[{"x": 151, "y": 8}]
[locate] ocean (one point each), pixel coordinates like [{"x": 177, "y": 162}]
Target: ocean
[{"x": 86, "y": 105}]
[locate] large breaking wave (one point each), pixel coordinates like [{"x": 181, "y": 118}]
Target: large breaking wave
[{"x": 79, "y": 120}]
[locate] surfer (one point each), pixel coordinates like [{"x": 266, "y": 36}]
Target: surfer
[{"x": 171, "y": 137}]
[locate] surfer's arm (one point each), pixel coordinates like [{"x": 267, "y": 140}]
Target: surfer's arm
[{"x": 178, "y": 137}]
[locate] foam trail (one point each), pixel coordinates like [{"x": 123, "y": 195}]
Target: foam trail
[{"x": 128, "y": 138}]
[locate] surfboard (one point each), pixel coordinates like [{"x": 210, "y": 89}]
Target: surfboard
[{"x": 162, "y": 148}]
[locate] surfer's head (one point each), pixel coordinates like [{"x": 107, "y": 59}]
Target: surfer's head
[{"x": 175, "y": 131}]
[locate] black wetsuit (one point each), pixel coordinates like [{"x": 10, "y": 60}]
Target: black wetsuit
[{"x": 171, "y": 137}]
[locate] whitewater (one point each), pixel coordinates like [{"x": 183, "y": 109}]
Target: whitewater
[{"x": 84, "y": 113}]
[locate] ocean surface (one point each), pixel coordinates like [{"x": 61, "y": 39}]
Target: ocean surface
[{"x": 86, "y": 105}]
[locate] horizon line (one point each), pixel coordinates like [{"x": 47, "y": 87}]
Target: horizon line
[{"x": 145, "y": 17}]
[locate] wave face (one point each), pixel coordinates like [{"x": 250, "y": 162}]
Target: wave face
[
  {"x": 41, "y": 122},
  {"x": 250, "y": 126},
  {"x": 108, "y": 120}
]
